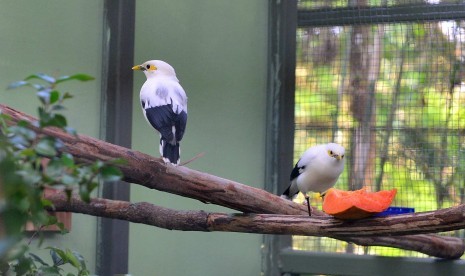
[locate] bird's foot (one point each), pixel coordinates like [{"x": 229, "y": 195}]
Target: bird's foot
[
  {"x": 167, "y": 161},
  {"x": 308, "y": 206}
]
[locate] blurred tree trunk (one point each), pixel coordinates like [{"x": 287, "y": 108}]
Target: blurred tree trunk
[
  {"x": 364, "y": 69},
  {"x": 364, "y": 64}
]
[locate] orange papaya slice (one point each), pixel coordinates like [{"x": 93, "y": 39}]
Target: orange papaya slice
[{"x": 356, "y": 204}]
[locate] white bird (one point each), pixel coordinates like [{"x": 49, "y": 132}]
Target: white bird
[
  {"x": 164, "y": 104},
  {"x": 317, "y": 170}
]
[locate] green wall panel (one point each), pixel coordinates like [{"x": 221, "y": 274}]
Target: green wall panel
[
  {"x": 219, "y": 51},
  {"x": 58, "y": 38}
]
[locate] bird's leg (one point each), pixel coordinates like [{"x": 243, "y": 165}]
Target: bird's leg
[{"x": 308, "y": 205}]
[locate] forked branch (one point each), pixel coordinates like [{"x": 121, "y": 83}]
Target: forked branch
[{"x": 153, "y": 173}]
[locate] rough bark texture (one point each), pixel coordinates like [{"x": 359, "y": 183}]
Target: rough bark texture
[
  {"x": 368, "y": 229},
  {"x": 154, "y": 174}
]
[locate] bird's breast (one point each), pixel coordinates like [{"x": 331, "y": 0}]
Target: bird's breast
[{"x": 318, "y": 178}]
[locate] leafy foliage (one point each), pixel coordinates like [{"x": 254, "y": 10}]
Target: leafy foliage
[
  {"x": 27, "y": 263},
  {"x": 31, "y": 162},
  {"x": 419, "y": 100}
]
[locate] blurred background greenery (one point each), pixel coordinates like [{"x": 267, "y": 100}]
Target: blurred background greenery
[{"x": 393, "y": 95}]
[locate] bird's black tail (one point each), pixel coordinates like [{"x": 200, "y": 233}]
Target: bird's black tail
[
  {"x": 287, "y": 192},
  {"x": 291, "y": 191},
  {"x": 170, "y": 152}
]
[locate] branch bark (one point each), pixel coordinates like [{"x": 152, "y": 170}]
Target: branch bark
[
  {"x": 368, "y": 229},
  {"x": 152, "y": 173}
]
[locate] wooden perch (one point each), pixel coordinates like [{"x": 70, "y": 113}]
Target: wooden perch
[
  {"x": 153, "y": 173},
  {"x": 146, "y": 213}
]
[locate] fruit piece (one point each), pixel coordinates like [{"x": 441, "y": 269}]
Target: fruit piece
[{"x": 356, "y": 204}]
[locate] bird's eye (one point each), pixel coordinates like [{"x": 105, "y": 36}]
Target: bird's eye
[
  {"x": 342, "y": 156},
  {"x": 151, "y": 67},
  {"x": 330, "y": 152}
]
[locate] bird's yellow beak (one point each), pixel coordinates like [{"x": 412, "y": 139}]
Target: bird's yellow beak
[
  {"x": 338, "y": 157},
  {"x": 137, "y": 67}
]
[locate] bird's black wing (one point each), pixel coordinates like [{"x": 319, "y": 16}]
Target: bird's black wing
[
  {"x": 296, "y": 171},
  {"x": 181, "y": 121},
  {"x": 292, "y": 189},
  {"x": 162, "y": 118}
]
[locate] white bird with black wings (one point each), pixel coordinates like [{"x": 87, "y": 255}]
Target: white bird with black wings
[
  {"x": 317, "y": 170},
  {"x": 164, "y": 104}
]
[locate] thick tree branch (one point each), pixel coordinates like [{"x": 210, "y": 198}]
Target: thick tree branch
[
  {"x": 369, "y": 229},
  {"x": 154, "y": 174}
]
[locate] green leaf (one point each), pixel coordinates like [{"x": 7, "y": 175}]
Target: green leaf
[
  {"x": 97, "y": 166},
  {"x": 84, "y": 193},
  {"x": 58, "y": 107},
  {"x": 50, "y": 271},
  {"x": 51, "y": 220},
  {"x": 72, "y": 259},
  {"x": 62, "y": 228},
  {"x": 23, "y": 123},
  {"x": 69, "y": 193},
  {"x": 38, "y": 87},
  {"x": 91, "y": 186},
  {"x": 37, "y": 259},
  {"x": 79, "y": 77},
  {"x": 23, "y": 131},
  {"x": 58, "y": 120},
  {"x": 43, "y": 77},
  {"x": 17, "y": 84},
  {"x": 44, "y": 96},
  {"x": 45, "y": 147},
  {"x": 55, "y": 168},
  {"x": 27, "y": 152},
  {"x": 67, "y": 160},
  {"x": 46, "y": 202},
  {"x": 80, "y": 258},
  {"x": 18, "y": 251},
  {"x": 18, "y": 142},
  {"x": 58, "y": 256},
  {"x": 67, "y": 96},
  {"x": 44, "y": 116},
  {"x": 7, "y": 244},
  {"x": 69, "y": 180},
  {"x": 111, "y": 174},
  {"x": 54, "y": 96},
  {"x": 24, "y": 266}
]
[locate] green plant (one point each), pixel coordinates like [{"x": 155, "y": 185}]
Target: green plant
[
  {"x": 30, "y": 162},
  {"x": 27, "y": 263}
]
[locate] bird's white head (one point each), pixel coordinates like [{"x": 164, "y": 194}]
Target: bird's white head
[
  {"x": 335, "y": 151},
  {"x": 154, "y": 68}
]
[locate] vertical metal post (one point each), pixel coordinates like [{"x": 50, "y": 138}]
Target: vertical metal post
[
  {"x": 280, "y": 115},
  {"x": 116, "y": 125}
]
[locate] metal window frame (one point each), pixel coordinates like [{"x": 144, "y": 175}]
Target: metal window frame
[
  {"x": 278, "y": 257},
  {"x": 303, "y": 262},
  {"x": 379, "y": 15},
  {"x": 282, "y": 24},
  {"x": 116, "y": 126}
]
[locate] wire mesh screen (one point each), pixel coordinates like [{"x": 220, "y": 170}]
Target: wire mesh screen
[{"x": 393, "y": 94}]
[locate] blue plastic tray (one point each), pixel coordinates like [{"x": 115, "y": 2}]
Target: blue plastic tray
[{"x": 396, "y": 211}]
